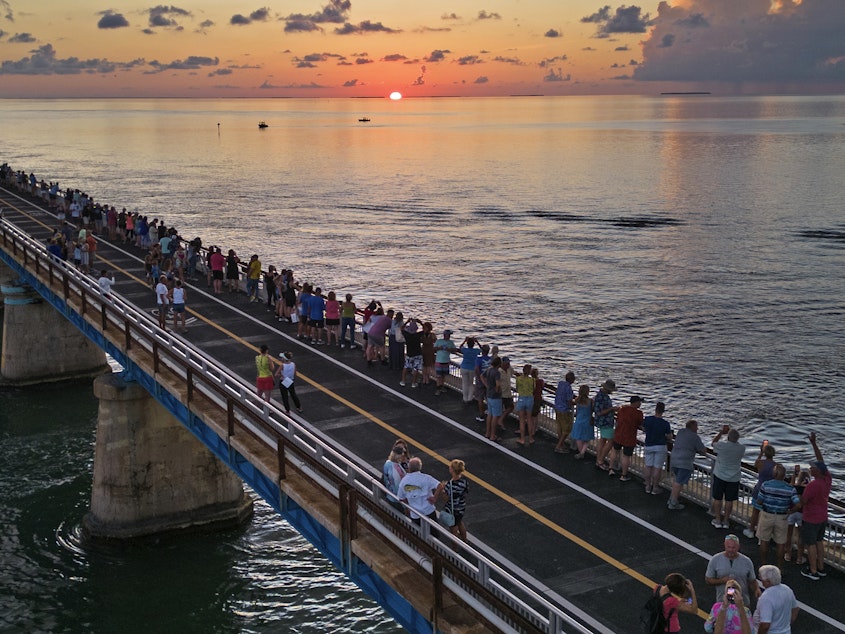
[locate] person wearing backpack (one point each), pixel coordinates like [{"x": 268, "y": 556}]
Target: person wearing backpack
[{"x": 677, "y": 594}]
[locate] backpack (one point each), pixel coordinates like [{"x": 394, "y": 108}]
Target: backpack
[{"x": 652, "y": 619}]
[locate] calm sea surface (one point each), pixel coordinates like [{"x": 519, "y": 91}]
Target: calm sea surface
[{"x": 691, "y": 248}]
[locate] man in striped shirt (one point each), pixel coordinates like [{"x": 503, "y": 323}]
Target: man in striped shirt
[{"x": 774, "y": 500}]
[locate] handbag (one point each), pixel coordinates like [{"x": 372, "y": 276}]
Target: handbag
[
  {"x": 294, "y": 317},
  {"x": 446, "y": 518},
  {"x": 366, "y": 327}
]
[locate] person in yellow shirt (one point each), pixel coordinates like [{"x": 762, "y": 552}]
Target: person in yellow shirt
[{"x": 253, "y": 274}]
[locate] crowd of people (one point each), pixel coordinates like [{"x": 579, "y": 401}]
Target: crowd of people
[{"x": 790, "y": 505}]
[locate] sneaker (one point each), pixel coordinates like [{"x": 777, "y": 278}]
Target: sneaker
[
  {"x": 726, "y": 525},
  {"x": 806, "y": 572},
  {"x": 413, "y": 385},
  {"x": 821, "y": 573},
  {"x": 342, "y": 346},
  {"x": 648, "y": 489},
  {"x": 625, "y": 478},
  {"x": 674, "y": 506},
  {"x": 716, "y": 523},
  {"x": 748, "y": 532},
  {"x": 480, "y": 419},
  {"x": 402, "y": 383},
  {"x": 657, "y": 491}
]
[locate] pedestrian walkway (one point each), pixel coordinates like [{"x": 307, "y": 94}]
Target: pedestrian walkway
[{"x": 597, "y": 542}]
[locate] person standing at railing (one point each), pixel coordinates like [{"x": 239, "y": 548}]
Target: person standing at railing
[
  {"x": 347, "y": 322},
  {"x": 727, "y": 472},
  {"x": 775, "y": 498},
  {"x": 413, "y": 357},
  {"x": 454, "y": 492},
  {"x": 443, "y": 349},
  {"x": 605, "y": 420},
  {"x": 564, "y": 398},
  {"x": 417, "y": 490},
  {"x": 686, "y": 444},
  {"x": 536, "y": 404},
  {"x": 302, "y": 309},
  {"x": 216, "y": 262},
  {"x": 105, "y": 283},
  {"x": 582, "y": 427},
  {"x": 265, "y": 369},
  {"x": 469, "y": 355},
  {"x": 179, "y": 297},
  {"x": 392, "y": 473},
  {"x": 379, "y": 324},
  {"x": 765, "y": 467},
  {"x": 332, "y": 319},
  {"x": 316, "y": 316},
  {"x": 253, "y": 274},
  {"x": 658, "y": 434},
  {"x": 232, "y": 273},
  {"x": 507, "y": 376},
  {"x": 524, "y": 400},
  {"x": 396, "y": 342},
  {"x": 482, "y": 362},
  {"x": 492, "y": 382},
  {"x": 814, "y": 507},
  {"x": 629, "y": 419},
  {"x": 428, "y": 341}
]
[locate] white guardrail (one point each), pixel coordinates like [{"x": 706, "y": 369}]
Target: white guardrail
[{"x": 267, "y": 422}]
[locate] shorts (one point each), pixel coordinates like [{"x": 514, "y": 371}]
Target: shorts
[
  {"x": 375, "y": 340},
  {"x": 507, "y": 402},
  {"x": 682, "y": 476},
  {"x": 480, "y": 392},
  {"x": 655, "y": 456},
  {"x": 316, "y": 323},
  {"x": 722, "y": 489},
  {"x": 524, "y": 403},
  {"x": 564, "y": 423},
  {"x": 772, "y": 526},
  {"x": 217, "y": 275},
  {"x": 440, "y": 369},
  {"x": 627, "y": 451},
  {"x": 265, "y": 383},
  {"x": 178, "y": 308},
  {"x": 606, "y": 433},
  {"x": 494, "y": 406},
  {"x": 812, "y": 533},
  {"x": 333, "y": 322},
  {"x": 414, "y": 363}
]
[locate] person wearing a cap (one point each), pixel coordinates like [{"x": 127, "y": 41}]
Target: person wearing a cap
[
  {"x": 287, "y": 387},
  {"x": 605, "y": 419},
  {"x": 814, "y": 507},
  {"x": 443, "y": 349},
  {"x": 727, "y": 471},
  {"x": 658, "y": 434},
  {"x": 413, "y": 352},
  {"x": 732, "y": 564},
  {"x": 629, "y": 419}
]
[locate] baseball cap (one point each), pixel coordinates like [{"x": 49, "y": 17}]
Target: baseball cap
[
  {"x": 821, "y": 466},
  {"x": 637, "y": 399},
  {"x": 447, "y": 333}
]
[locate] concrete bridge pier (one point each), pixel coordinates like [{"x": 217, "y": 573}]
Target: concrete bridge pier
[
  {"x": 39, "y": 344},
  {"x": 151, "y": 475}
]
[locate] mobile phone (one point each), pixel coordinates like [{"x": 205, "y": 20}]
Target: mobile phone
[{"x": 731, "y": 592}]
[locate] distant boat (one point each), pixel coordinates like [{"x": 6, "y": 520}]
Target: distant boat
[
  {"x": 262, "y": 125},
  {"x": 364, "y": 120}
]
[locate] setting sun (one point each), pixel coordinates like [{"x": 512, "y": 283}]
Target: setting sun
[{"x": 396, "y": 96}]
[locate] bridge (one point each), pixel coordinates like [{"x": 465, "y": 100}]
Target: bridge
[{"x": 555, "y": 547}]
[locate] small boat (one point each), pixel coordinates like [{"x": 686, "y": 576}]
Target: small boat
[
  {"x": 262, "y": 125},
  {"x": 364, "y": 120}
]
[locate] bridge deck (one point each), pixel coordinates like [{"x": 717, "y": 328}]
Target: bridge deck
[{"x": 589, "y": 538}]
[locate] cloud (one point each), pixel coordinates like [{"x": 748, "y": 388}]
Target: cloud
[
  {"x": 43, "y": 61},
  {"x": 160, "y": 16},
  {"x": 21, "y": 38},
  {"x": 508, "y": 60},
  {"x": 6, "y": 9},
  {"x": 420, "y": 80},
  {"x": 484, "y": 15},
  {"x": 364, "y": 27},
  {"x": 450, "y": 16},
  {"x": 622, "y": 48},
  {"x": 543, "y": 63},
  {"x": 556, "y": 76},
  {"x": 749, "y": 41},
  {"x": 481, "y": 80},
  {"x": 469, "y": 60},
  {"x": 394, "y": 57},
  {"x": 436, "y": 55},
  {"x": 111, "y": 20},
  {"x": 193, "y": 62},
  {"x": 351, "y": 83},
  {"x": 552, "y": 33},
  {"x": 335, "y": 12},
  {"x": 268, "y": 86},
  {"x": 220, "y": 71},
  {"x": 602, "y": 15},
  {"x": 624, "y": 20},
  {"x": 259, "y": 15},
  {"x": 432, "y": 29},
  {"x": 363, "y": 60},
  {"x": 204, "y": 26},
  {"x": 2, "y": 34}
]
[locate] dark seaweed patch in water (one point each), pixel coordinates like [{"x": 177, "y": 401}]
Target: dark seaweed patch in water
[
  {"x": 560, "y": 216},
  {"x": 643, "y": 222},
  {"x": 825, "y": 235}
]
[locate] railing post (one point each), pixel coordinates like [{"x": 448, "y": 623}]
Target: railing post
[
  {"x": 103, "y": 311},
  {"x": 84, "y": 297},
  {"x": 155, "y": 356},
  {"x": 190, "y": 379},
  {"x": 437, "y": 573},
  {"x": 280, "y": 457},
  {"x": 65, "y": 287},
  {"x": 127, "y": 334},
  {"x": 230, "y": 417}
]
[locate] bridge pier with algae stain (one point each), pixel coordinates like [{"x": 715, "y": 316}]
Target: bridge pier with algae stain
[{"x": 151, "y": 475}]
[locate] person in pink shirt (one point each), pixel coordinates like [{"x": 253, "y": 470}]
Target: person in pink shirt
[
  {"x": 332, "y": 319},
  {"x": 814, "y": 507}
]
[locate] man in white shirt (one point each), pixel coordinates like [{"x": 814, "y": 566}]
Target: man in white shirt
[
  {"x": 417, "y": 489},
  {"x": 162, "y": 301},
  {"x": 777, "y": 608},
  {"x": 726, "y": 474}
]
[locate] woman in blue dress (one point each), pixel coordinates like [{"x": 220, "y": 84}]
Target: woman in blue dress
[{"x": 582, "y": 428}]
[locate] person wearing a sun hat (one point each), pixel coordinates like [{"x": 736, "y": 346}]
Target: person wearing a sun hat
[{"x": 814, "y": 507}]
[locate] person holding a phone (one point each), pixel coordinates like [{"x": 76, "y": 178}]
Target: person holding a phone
[{"x": 730, "y": 615}]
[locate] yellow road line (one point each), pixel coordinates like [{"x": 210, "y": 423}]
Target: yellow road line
[{"x": 494, "y": 490}]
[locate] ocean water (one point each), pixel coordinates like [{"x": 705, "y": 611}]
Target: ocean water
[{"x": 691, "y": 248}]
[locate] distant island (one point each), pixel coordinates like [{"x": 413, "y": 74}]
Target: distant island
[{"x": 687, "y": 93}]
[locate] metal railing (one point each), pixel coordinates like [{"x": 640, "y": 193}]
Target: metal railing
[{"x": 498, "y": 592}]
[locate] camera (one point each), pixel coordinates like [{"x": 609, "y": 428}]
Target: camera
[{"x": 731, "y": 592}]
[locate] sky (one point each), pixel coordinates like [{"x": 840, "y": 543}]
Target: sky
[{"x": 370, "y": 48}]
